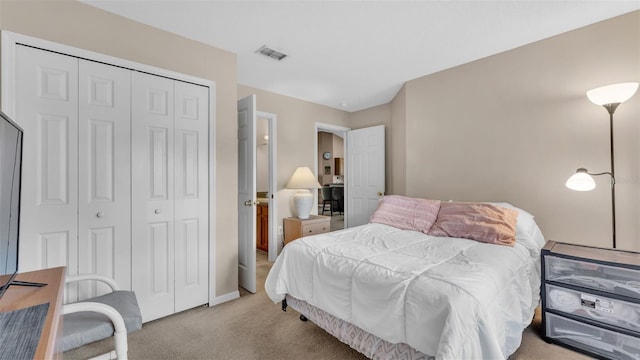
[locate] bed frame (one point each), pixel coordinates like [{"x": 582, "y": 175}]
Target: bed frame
[{"x": 364, "y": 342}]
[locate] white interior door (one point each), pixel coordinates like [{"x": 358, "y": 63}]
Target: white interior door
[
  {"x": 152, "y": 207},
  {"x": 104, "y": 175},
  {"x": 47, "y": 111},
  {"x": 247, "y": 193},
  {"x": 365, "y": 177},
  {"x": 191, "y": 195}
]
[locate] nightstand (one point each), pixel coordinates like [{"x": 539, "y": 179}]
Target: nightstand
[{"x": 295, "y": 228}]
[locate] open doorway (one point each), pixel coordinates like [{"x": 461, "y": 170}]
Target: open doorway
[
  {"x": 331, "y": 173},
  {"x": 364, "y": 170},
  {"x": 266, "y": 235},
  {"x": 247, "y": 192}
]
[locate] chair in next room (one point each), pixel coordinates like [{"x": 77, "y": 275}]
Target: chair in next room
[
  {"x": 337, "y": 194},
  {"x": 327, "y": 199}
]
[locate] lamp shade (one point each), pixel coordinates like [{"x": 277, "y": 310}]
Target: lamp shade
[
  {"x": 581, "y": 181},
  {"x": 612, "y": 94},
  {"x": 303, "y": 178}
]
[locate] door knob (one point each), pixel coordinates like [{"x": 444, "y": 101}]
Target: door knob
[
  {"x": 380, "y": 194},
  {"x": 100, "y": 214},
  {"x": 248, "y": 203},
  {"x": 157, "y": 211}
]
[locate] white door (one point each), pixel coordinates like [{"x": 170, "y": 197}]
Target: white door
[
  {"x": 365, "y": 173},
  {"x": 47, "y": 110},
  {"x": 191, "y": 195},
  {"x": 152, "y": 207},
  {"x": 104, "y": 176},
  {"x": 247, "y": 193}
]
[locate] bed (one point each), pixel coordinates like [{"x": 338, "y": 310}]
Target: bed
[{"x": 390, "y": 291}]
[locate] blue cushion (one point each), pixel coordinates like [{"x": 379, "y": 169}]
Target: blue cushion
[{"x": 85, "y": 327}]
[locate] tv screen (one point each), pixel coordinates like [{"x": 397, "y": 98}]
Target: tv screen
[{"x": 10, "y": 170}]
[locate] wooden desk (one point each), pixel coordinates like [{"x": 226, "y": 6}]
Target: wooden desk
[{"x": 18, "y": 297}]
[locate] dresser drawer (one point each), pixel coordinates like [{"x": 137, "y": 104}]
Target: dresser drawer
[
  {"x": 295, "y": 228},
  {"x": 594, "y": 307},
  {"x": 313, "y": 229},
  {"x": 615, "y": 280},
  {"x": 607, "y": 344}
]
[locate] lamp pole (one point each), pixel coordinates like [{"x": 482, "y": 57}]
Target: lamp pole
[{"x": 611, "y": 108}]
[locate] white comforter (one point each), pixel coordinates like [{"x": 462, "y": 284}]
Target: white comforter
[{"x": 448, "y": 297}]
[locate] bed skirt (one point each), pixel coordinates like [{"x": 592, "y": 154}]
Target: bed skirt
[{"x": 370, "y": 345}]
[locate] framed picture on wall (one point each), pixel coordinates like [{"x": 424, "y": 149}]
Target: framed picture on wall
[{"x": 327, "y": 170}]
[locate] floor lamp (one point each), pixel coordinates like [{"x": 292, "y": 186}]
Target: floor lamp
[{"x": 610, "y": 97}]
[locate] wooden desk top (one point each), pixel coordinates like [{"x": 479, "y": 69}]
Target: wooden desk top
[{"x": 18, "y": 297}]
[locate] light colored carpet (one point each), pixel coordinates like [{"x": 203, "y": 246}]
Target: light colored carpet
[
  {"x": 337, "y": 222},
  {"x": 252, "y": 327}
]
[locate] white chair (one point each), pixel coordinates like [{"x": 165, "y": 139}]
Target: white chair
[{"x": 112, "y": 314}]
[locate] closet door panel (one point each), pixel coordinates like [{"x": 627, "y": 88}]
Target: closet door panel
[
  {"x": 191, "y": 195},
  {"x": 46, "y": 109},
  {"x": 104, "y": 234},
  {"x": 152, "y": 197}
]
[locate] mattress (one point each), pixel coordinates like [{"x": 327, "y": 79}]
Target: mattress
[{"x": 450, "y": 298}]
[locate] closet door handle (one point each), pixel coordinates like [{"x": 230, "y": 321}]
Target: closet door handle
[
  {"x": 157, "y": 211},
  {"x": 99, "y": 214}
]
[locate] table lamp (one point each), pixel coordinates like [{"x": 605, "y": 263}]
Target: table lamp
[{"x": 303, "y": 180}]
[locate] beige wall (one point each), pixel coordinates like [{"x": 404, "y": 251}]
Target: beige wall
[
  {"x": 397, "y": 163},
  {"x": 514, "y": 126},
  {"x": 82, "y": 26},
  {"x": 325, "y": 143},
  {"x": 295, "y": 137}
]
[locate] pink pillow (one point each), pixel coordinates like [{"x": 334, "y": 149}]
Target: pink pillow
[
  {"x": 477, "y": 221},
  {"x": 406, "y": 213}
]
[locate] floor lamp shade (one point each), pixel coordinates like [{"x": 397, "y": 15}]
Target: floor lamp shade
[
  {"x": 612, "y": 94},
  {"x": 303, "y": 180}
]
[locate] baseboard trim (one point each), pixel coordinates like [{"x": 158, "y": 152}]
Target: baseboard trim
[{"x": 224, "y": 298}]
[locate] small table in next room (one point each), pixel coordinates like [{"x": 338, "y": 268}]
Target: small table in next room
[{"x": 295, "y": 228}]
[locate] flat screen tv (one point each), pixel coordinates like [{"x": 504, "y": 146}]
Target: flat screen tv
[
  {"x": 10, "y": 170},
  {"x": 10, "y": 176}
]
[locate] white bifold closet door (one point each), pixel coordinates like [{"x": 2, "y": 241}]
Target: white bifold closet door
[
  {"x": 115, "y": 178},
  {"x": 170, "y": 197},
  {"x": 76, "y": 166}
]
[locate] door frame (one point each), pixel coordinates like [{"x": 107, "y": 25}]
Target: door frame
[
  {"x": 342, "y": 132},
  {"x": 272, "y": 120},
  {"x": 10, "y": 41}
]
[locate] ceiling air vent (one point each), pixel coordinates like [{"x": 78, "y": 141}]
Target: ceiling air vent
[{"x": 266, "y": 51}]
